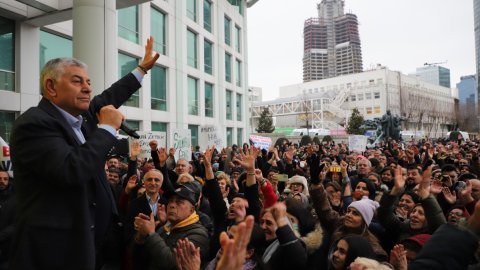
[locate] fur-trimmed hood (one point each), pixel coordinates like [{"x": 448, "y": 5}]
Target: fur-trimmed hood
[{"x": 314, "y": 239}]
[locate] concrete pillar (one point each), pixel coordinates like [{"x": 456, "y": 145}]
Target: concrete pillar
[
  {"x": 95, "y": 40},
  {"x": 28, "y": 70},
  {"x": 180, "y": 78}
]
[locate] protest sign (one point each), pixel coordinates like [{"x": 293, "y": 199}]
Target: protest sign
[
  {"x": 357, "y": 143},
  {"x": 211, "y": 135},
  {"x": 182, "y": 142},
  {"x": 5, "y": 162},
  {"x": 260, "y": 142},
  {"x": 144, "y": 140}
]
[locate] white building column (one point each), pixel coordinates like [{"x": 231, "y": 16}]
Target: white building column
[
  {"x": 95, "y": 40},
  {"x": 28, "y": 70}
]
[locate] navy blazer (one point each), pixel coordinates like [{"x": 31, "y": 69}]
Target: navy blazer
[{"x": 64, "y": 203}]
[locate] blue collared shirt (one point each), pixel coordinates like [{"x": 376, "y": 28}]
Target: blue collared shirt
[
  {"x": 153, "y": 204},
  {"x": 74, "y": 122}
]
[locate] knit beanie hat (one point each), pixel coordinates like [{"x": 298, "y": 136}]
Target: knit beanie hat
[
  {"x": 297, "y": 179},
  {"x": 419, "y": 239},
  {"x": 366, "y": 207}
]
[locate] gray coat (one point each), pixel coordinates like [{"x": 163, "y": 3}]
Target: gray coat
[{"x": 160, "y": 245}]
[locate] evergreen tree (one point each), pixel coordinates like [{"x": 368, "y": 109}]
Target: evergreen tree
[
  {"x": 356, "y": 120},
  {"x": 265, "y": 123}
]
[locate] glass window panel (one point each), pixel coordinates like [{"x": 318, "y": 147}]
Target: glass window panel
[
  {"x": 6, "y": 123},
  {"x": 208, "y": 100},
  {"x": 134, "y": 124},
  {"x": 368, "y": 95},
  {"x": 238, "y": 74},
  {"x": 191, "y": 49},
  {"x": 376, "y": 95},
  {"x": 360, "y": 97},
  {"x": 7, "y": 60},
  {"x": 159, "y": 88},
  {"x": 237, "y": 4},
  {"x": 159, "y": 126},
  {"x": 126, "y": 64},
  {"x": 158, "y": 31},
  {"x": 193, "y": 134},
  {"x": 128, "y": 23},
  {"x": 239, "y": 136},
  {"x": 53, "y": 46},
  {"x": 192, "y": 96},
  {"x": 226, "y": 29},
  {"x": 207, "y": 15},
  {"x": 192, "y": 9},
  {"x": 229, "y": 136},
  {"x": 238, "y": 39},
  {"x": 239, "y": 107},
  {"x": 228, "y": 67},
  {"x": 228, "y": 98},
  {"x": 208, "y": 54}
]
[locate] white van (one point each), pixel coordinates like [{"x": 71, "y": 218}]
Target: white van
[{"x": 319, "y": 132}]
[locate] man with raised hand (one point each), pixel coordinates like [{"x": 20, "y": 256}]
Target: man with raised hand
[{"x": 59, "y": 149}]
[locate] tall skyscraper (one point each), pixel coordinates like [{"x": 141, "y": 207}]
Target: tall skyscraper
[
  {"x": 476, "y": 17},
  {"x": 331, "y": 43}
]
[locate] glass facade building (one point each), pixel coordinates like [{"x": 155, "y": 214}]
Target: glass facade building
[
  {"x": 7, "y": 61},
  {"x": 186, "y": 89}
]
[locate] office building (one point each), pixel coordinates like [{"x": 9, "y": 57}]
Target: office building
[
  {"x": 434, "y": 73},
  {"x": 328, "y": 103},
  {"x": 467, "y": 103},
  {"x": 476, "y": 18},
  {"x": 199, "y": 79}
]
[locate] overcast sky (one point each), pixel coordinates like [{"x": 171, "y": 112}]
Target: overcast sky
[{"x": 399, "y": 34}]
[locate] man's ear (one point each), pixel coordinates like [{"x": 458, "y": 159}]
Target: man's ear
[{"x": 49, "y": 88}]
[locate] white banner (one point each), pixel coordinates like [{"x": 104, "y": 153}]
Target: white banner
[
  {"x": 145, "y": 138},
  {"x": 5, "y": 162},
  {"x": 211, "y": 135},
  {"x": 182, "y": 142},
  {"x": 357, "y": 143},
  {"x": 261, "y": 142}
]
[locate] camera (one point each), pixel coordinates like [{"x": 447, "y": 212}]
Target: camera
[
  {"x": 444, "y": 178},
  {"x": 460, "y": 185}
]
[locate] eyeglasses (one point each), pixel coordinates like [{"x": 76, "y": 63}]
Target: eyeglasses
[{"x": 458, "y": 214}]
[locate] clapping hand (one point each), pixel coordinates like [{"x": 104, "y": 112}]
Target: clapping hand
[
  {"x": 234, "y": 250},
  {"x": 187, "y": 255}
]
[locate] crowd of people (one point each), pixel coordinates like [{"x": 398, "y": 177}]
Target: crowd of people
[{"x": 395, "y": 206}]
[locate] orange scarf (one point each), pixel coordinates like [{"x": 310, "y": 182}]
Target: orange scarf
[{"x": 193, "y": 218}]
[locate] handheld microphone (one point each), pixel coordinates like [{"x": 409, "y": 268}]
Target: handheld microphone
[{"x": 129, "y": 131}]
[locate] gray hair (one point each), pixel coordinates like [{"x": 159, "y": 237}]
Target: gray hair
[{"x": 55, "y": 68}]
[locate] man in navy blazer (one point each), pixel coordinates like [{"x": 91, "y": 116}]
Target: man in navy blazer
[{"x": 64, "y": 204}]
